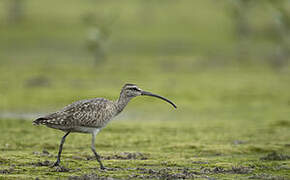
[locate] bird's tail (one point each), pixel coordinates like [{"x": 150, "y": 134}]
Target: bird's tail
[{"x": 39, "y": 121}]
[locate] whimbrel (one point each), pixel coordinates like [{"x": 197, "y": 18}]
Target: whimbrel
[{"x": 90, "y": 116}]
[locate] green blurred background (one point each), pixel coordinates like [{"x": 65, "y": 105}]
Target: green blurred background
[{"x": 215, "y": 60}]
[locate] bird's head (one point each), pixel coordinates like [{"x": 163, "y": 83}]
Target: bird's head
[{"x": 132, "y": 90}]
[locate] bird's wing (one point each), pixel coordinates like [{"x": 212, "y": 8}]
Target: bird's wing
[{"x": 88, "y": 113}]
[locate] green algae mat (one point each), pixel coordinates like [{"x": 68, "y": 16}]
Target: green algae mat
[{"x": 158, "y": 149}]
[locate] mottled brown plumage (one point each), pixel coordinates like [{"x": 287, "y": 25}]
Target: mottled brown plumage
[
  {"x": 94, "y": 113},
  {"x": 90, "y": 116}
]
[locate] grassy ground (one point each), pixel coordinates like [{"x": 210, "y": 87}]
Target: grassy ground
[{"x": 157, "y": 149}]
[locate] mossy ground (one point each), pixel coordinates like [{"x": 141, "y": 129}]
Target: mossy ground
[{"x": 149, "y": 149}]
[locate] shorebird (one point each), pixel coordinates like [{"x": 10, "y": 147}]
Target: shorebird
[{"x": 90, "y": 116}]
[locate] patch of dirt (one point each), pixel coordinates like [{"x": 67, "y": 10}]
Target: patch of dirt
[
  {"x": 91, "y": 176},
  {"x": 214, "y": 170},
  {"x": 240, "y": 170},
  {"x": 233, "y": 170},
  {"x": 274, "y": 156},
  {"x": 113, "y": 169},
  {"x": 165, "y": 173},
  {"x": 61, "y": 169},
  {"x": 127, "y": 155},
  {"x": 123, "y": 156},
  {"x": 199, "y": 162},
  {"x": 6, "y": 171},
  {"x": 43, "y": 163},
  {"x": 267, "y": 177},
  {"x": 43, "y": 153}
]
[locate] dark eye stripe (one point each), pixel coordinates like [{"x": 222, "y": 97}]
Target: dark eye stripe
[{"x": 134, "y": 89}]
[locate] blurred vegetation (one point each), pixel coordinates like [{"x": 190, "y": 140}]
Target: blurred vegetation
[
  {"x": 99, "y": 31},
  {"x": 262, "y": 30},
  {"x": 189, "y": 47}
]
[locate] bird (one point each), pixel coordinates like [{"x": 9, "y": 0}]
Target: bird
[{"x": 91, "y": 116}]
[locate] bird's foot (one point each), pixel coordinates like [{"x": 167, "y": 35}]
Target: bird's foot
[
  {"x": 103, "y": 167},
  {"x": 55, "y": 164}
]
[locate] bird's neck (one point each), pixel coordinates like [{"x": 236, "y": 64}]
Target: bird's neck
[{"x": 122, "y": 103}]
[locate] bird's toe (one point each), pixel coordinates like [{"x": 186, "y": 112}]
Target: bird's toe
[{"x": 55, "y": 164}]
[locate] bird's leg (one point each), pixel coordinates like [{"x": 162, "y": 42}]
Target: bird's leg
[
  {"x": 94, "y": 150},
  {"x": 60, "y": 150}
]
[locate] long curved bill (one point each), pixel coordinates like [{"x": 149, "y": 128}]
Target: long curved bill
[{"x": 145, "y": 93}]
